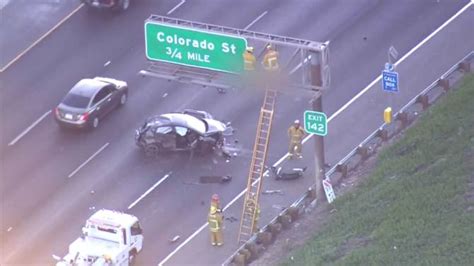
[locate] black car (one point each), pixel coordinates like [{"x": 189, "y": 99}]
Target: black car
[
  {"x": 190, "y": 130},
  {"x": 108, "y": 4},
  {"x": 89, "y": 101}
]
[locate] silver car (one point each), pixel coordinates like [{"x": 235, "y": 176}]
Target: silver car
[{"x": 89, "y": 101}]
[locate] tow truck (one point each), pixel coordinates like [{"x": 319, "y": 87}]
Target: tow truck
[{"x": 109, "y": 238}]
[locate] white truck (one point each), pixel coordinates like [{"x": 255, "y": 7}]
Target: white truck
[{"x": 109, "y": 238}]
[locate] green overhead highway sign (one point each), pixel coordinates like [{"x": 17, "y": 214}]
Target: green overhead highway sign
[
  {"x": 196, "y": 48},
  {"x": 315, "y": 123}
]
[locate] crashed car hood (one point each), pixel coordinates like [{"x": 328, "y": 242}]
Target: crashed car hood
[{"x": 215, "y": 126}]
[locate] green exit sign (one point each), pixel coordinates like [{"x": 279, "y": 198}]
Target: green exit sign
[
  {"x": 315, "y": 123},
  {"x": 192, "y": 47}
]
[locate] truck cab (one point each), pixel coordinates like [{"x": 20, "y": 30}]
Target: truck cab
[{"x": 109, "y": 238}]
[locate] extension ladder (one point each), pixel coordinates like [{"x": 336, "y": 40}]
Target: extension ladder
[{"x": 250, "y": 211}]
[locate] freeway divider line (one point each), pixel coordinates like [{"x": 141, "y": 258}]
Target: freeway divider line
[
  {"x": 255, "y": 20},
  {"x": 40, "y": 39},
  {"x": 329, "y": 119},
  {"x": 176, "y": 7},
  {"x": 149, "y": 190},
  {"x": 88, "y": 160},
  {"x": 28, "y": 129}
]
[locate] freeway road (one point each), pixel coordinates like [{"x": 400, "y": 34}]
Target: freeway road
[{"x": 44, "y": 198}]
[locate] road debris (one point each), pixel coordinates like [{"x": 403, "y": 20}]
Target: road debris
[
  {"x": 107, "y": 63},
  {"x": 278, "y": 207},
  {"x": 215, "y": 179},
  {"x": 231, "y": 219},
  {"x": 174, "y": 239},
  {"x": 291, "y": 174},
  {"x": 165, "y": 94},
  {"x": 277, "y": 191}
]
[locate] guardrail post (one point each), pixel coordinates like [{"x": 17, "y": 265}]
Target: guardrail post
[
  {"x": 285, "y": 220},
  {"x": 311, "y": 193},
  {"x": 423, "y": 100},
  {"x": 363, "y": 152},
  {"x": 465, "y": 66},
  {"x": 293, "y": 212},
  {"x": 253, "y": 249},
  {"x": 342, "y": 168},
  {"x": 239, "y": 259},
  {"x": 275, "y": 228},
  {"x": 444, "y": 83},
  {"x": 403, "y": 117},
  {"x": 265, "y": 238},
  {"x": 383, "y": 134}
]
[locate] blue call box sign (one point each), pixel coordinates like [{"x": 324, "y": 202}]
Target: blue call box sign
[{"x": 390, "y": 81}]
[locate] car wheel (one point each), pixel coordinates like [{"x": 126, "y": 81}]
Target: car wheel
[
  {"x": 131, "y": 257},
  {"x": 95, "y": 122},
  {"x": 125, "y": 4},
  {"x": 152, "y": 150},
  {"x": 123, "y": 99}
]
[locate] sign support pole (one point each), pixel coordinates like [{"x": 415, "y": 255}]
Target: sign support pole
[{"x": 317, "y": 105}]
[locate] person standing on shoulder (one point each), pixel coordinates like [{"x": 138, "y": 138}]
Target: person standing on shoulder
[{"x": 296, "y": 134}]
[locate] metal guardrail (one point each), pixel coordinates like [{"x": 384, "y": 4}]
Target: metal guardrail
[{"x": 249, "y": 251}]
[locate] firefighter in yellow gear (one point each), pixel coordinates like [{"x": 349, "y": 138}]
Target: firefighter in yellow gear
[
  {"x": 257, "y": 217},
  {"x": 215, "y": 226},
  {"x": 296, "y": 134},
  {"x": 270, "y": 59},
  {"x": 249, "y": 59},
  {"x": 252, "y": 206}
]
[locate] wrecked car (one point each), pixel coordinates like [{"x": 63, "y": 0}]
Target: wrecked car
[{"x": 187, "y": 131}]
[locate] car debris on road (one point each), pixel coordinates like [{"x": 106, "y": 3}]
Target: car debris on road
[{"x": 269, "y": 192}]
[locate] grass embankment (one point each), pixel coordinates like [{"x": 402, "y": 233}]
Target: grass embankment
[{"x": 417, "y": 206}]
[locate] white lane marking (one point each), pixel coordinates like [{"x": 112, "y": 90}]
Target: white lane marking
[
  {"x": 88, "y": 160},
  {"x": 331, "y": 118},
  {"x": 255, "y": 20},
  {"x": 149, "y": 190},
  {"x": 176, "y": 7},
  {"x": 182, "y": 244},
  {"x": 29, "y": 128},
  {"x": 40, "y": 39},
  {"x": 299, "y": 65}
]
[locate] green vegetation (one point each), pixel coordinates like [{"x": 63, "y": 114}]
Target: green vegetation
[{"x": 417, "y": 206}]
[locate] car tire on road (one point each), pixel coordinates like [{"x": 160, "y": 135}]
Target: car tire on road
[
  {"x": 123, "y": 99},
  {"x": 152, "y": 150},
  {"x": 131, "y": 257},
  {"x": 95, "y": 122},
  {"x": 124, "y": 4}
]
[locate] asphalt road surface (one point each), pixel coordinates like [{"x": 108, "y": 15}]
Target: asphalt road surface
[{"x": 46, "y": 198}]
